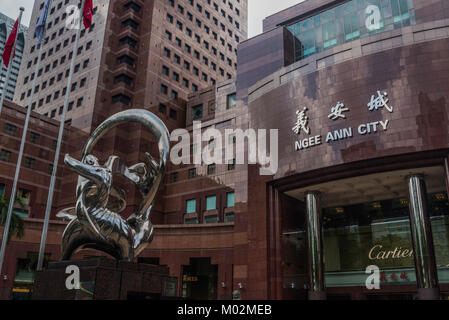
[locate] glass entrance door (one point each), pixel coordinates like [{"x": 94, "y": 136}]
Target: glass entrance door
[{"x": 200, "y": 280}]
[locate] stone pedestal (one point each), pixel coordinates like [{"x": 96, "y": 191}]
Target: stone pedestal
[{"x": 105, "y": 279}]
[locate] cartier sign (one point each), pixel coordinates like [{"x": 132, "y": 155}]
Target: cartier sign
[{"x": 379, "y": 253}]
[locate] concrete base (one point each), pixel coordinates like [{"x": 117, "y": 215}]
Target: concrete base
[
  {"x": 317, "y": 296},
  {"x": 105, "y": 279},
  {"x": 429, "y": 294}
]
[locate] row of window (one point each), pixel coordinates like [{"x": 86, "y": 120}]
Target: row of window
[
  {"x": 11, "y": 130},
  {"x": 79, "y": 103},
  {"x": 211, "y": 204},
  {"x": 197, "y": 111},
  {"x": 28, "y": 162},
  {"x": 207, "y": 30},
  {"x": 211, "y": 170},
  {"x": 207, "y": 14},
  {"x": 188, "y": 49},
  {"x": 56, "y": 94},
  {"x": 56, "y": 49},
  {"x": 187, "y": 66},
  {"x": 173, "y": 114}
]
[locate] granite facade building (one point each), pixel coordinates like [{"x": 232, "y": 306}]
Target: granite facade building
[
  {"x": 358, "y": 91},
  {"x": 6, "y": 25}
]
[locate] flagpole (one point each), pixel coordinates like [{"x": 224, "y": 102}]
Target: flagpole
[
  {"x": 25, "y": 127},
  {"x": 40, "y": 261},
  {"x": 13, "y": 194},
  {"x": 8, "y": 73}
]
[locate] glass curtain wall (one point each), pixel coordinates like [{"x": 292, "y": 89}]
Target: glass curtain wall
[{"x": 350, "y": 21}]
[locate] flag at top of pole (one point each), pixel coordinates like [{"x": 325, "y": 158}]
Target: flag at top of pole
[
  {"x": 9, "y": 46},
  {"x": 87, "y": 14},
  {"x": 40, "y": 27}
]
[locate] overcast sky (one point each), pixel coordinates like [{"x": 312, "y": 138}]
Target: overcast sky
[{"x": 257, "y": 10}]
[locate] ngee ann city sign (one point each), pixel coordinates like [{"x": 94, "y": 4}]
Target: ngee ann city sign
[{"x": 378, "y": 101}]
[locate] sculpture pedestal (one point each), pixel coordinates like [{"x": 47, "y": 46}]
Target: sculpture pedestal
[{"x": 105, "y": 279}]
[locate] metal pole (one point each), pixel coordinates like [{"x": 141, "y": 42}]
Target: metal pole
[
  {"x": 8, "y": 73},
  {"x": 422, "y": 240},
  {"x": 1, "y": 70},
  {"x": 40, "y": 261},
  {"x": 315, "y": 246},
  {"x": 13, "y": 194}
]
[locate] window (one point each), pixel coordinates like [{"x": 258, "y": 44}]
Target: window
[
  {"x": 129, "y": 41},
  {"x": 2, "y": 189},
  {"x": 231, "y": 101},
  {"x": 231, "y": 165},
  {"x": 174, "y": 177},
  {"x": 192, "y": 173},
  {"x": 191, "y": 221},
  {"x": 131, "y": 23},
  {"x": 121, "y": 98},
  {"x": 162, "y": 108},
  {"x": 164, "y": 89},
  {"x": 229, "y": 217},
  {"x": 133, "y": 6},
  {"x": 211, "y": 203},
  {"x": 173, "y": 114},
  {"x": 211, "y": 169},
  {"x": 25, "y": 195},
  {"x": 230, "y": 200},
  {"x": 123, "y": 78},
  {"x": 211, "y": 219},
  {"x": 34, "y": 137},
  {"x": 165, "y": 70},
  {"x": 191, "y": 206},
  {"x": 5, "y": 155},
  {"x": 346, "y": 22},
  {"x": 197, "y": 112},
  {"x": 29, "y": 163},
  {"x": 10, "y": 129},
  {"x": 126, "y": 59}
]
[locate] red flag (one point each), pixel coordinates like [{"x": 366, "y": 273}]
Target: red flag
[
  {"x": 9, "y": 45},
  {"x": 87, "y": 14}
]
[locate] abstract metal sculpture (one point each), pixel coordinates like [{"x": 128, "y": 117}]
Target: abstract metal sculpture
[{"x": 95, "y": 221}]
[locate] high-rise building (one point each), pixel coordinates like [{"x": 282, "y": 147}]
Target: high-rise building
[
  {"x": 55, "y": 61},
  {"x": 141, "y": 54},
  {"x": 6, "y": 25}
]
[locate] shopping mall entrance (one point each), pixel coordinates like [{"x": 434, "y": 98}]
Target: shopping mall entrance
[
  {"x": 365, "y": 221},
  {"x": 199, "y": 280}
]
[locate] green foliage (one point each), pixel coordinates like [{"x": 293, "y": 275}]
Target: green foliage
[{"x": 17, "y": 226}]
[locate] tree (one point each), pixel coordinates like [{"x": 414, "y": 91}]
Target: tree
[{"x": 17, "y": 226}]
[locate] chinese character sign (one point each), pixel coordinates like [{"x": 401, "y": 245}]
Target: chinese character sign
[
  {"x": 302, "y": 122},
  {"x": 379, "y": 102},
  {"x": 337, "y": 112}
]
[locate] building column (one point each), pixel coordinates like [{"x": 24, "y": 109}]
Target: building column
[
  {"x": 422, "y": 240},
  {"x": 315, "y": 247}
]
